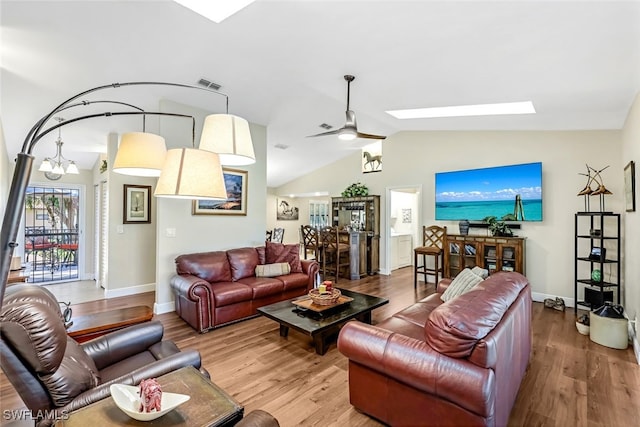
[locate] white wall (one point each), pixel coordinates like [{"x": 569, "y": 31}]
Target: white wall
[
  {"x": 412, "y": 158},
  {"x": 631, "y": 251},
  {"x": 132, "y": 258},
  {"x": 6, "y": 169},
  {"x": 201, "y": 233}
]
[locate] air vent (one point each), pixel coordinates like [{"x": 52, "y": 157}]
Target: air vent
[
  {"x": 281, "y": 146},
  {"x": 325, "y": 126},
  {"x": 209, "y": 84}
]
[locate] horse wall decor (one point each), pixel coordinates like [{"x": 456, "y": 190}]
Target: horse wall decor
[
  {"x": 373, "y": 162},
  {"x": 286, "y": 212}
]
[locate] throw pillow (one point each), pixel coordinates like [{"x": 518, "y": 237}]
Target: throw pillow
[
  {"x": 480, "y": 272},
  {"x": 463, "y": 282},
  {"x": 278, "y": 252},
  {"x": 273, "y": 270}
]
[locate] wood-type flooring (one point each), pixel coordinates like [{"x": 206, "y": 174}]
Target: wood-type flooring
[{"x": 571, "y": 381}]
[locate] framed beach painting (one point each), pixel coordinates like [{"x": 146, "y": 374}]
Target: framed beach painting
[
  {"x": 137, "y": 204},
  {"x": 236, "y": 183}
]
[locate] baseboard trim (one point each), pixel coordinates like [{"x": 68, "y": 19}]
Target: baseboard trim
[
  {"x": 633, "y": 336},
  {"x": 540, "y": 297},
  {"x": 131, "y": 290},
  {"x": 165, "y": 307}
]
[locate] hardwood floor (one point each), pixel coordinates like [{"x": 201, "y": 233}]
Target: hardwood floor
[{"x": 571, "y": 381}]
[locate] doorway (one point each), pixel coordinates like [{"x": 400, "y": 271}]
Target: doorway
[
  {"x": 53, "y": 233},
  {"x": 403, "y": 219}
]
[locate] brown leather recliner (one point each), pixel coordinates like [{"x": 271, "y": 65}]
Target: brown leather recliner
[{"x": 54, "y": 375}]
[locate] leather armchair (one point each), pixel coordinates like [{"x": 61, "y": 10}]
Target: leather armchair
[{"x": 55, "y": 375}]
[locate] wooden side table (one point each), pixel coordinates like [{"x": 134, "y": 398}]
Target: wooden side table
[
  {"x": 94, "y": 325},
  {"x": 17, "y": 276},
  {"x": 209, "y": 406}
]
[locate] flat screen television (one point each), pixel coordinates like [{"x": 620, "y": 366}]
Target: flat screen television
[{"x": 496, "y": 191}]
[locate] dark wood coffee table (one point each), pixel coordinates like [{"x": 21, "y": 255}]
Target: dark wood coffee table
[
  {"x": 94, "y": 325},
  {"x": 209, "y": 406},
  {"x": 322, "y": 326}
]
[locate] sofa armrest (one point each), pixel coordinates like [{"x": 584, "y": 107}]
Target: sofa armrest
[
  {"x": 186, "y": 284},
  {"x": 415, "y": 363},
  {"x": 310, "y": 267},
  {"x": 189, "y": 357},
  {"x": 443, "y": 284},
  {"x": 118, "y": 345}
]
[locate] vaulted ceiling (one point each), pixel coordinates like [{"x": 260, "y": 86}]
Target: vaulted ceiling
[{"x": 282, "y": 64}]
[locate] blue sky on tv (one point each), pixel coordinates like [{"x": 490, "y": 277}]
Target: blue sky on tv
[{"x": 495, "y": 183}]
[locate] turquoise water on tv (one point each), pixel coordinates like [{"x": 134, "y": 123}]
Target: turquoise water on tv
[{"x": 477, "y": 210}]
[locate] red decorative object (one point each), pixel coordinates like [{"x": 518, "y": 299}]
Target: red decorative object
[{"x": 150, "y": 395}]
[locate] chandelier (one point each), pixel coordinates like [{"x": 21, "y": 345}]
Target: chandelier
[{"x": 53, "y": 167}]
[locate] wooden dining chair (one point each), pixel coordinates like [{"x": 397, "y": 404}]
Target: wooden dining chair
[
  {"x": 269, "y": 236},
  {"x": 278, "y": 235},
  {"x": 309, "y": 240},
  {"x": 433, "y": 239},
  {"x": 334, "y": 253}
]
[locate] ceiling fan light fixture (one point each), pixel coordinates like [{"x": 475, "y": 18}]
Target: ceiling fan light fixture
[{"x": 347, "y": 134}]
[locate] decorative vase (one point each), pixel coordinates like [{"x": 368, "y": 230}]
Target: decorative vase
[{"x": 464, "y": 227}]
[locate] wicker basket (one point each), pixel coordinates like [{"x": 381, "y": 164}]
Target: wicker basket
[{"x": 328, "y": 298}]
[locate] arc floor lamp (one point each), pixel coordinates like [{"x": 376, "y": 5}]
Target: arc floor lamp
[{"x": 193, "y": 173}]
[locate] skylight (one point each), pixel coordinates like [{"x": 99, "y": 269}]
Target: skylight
[
  {"x": 217, "y": 10},
  {"x": 525, "y": 107}
]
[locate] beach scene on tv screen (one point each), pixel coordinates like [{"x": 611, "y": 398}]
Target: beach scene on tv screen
[{"x": 497, "y": 191}]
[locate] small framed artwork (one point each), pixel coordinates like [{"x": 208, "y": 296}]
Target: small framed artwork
[
  {"x": 372, "y": 157},
  {"x": 630, "y": 186},
  {"x": 236, "y": 182},
  {"x": 137, "y": 204},
  {"x": 286, "y": 210}
]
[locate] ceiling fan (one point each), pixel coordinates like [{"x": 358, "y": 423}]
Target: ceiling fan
[{"x": 350, "y": 130}]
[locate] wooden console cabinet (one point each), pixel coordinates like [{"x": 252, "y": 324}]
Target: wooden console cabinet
[{"x": 489, "y": 252}]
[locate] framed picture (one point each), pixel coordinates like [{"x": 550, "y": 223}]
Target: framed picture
[
  {"x": 372, "y": 157},
  {"x": 630, "y": 186},
  {"x": 236, "y": 182},
  {"x": 286, "y": 211},
  {"x": 137, "y": 204}
]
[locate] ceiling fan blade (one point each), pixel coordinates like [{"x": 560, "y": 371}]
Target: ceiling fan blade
[
  {"x": 370, "y": 136},
  {"x": 331, "y": 132}
]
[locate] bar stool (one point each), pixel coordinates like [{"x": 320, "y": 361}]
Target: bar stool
[{"x": 433, "y": 238}]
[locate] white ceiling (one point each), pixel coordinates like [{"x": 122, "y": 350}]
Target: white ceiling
[{"x": 282, "y": 65}]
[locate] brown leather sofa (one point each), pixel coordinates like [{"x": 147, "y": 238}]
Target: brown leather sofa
[
  {"x": 54, "y": 375},
  {"x": 216, "y": 288},
  {"x": 458, "y": 363}
]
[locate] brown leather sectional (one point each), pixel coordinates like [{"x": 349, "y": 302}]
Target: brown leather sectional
[
  {"x": 444, "y": 364},
  {"x": 217, "y": 288}
]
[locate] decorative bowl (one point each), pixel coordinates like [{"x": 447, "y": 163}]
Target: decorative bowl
[
  {"x": 127, "y": 398},
  {"x": 583, "y": 329},
  {"x": 326, "y": 298}
]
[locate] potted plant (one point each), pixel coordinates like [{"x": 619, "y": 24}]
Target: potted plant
[
  {"x": 498, "y": 227},
  {"x": 355, "y": 190}
]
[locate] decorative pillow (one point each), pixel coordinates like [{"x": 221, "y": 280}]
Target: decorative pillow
[
  {"x": 278, "y": 252},
  {"x": 273, "y": 270},
  {"x": 480, "y": 272},
  {"x": 463, "y": 282}
]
